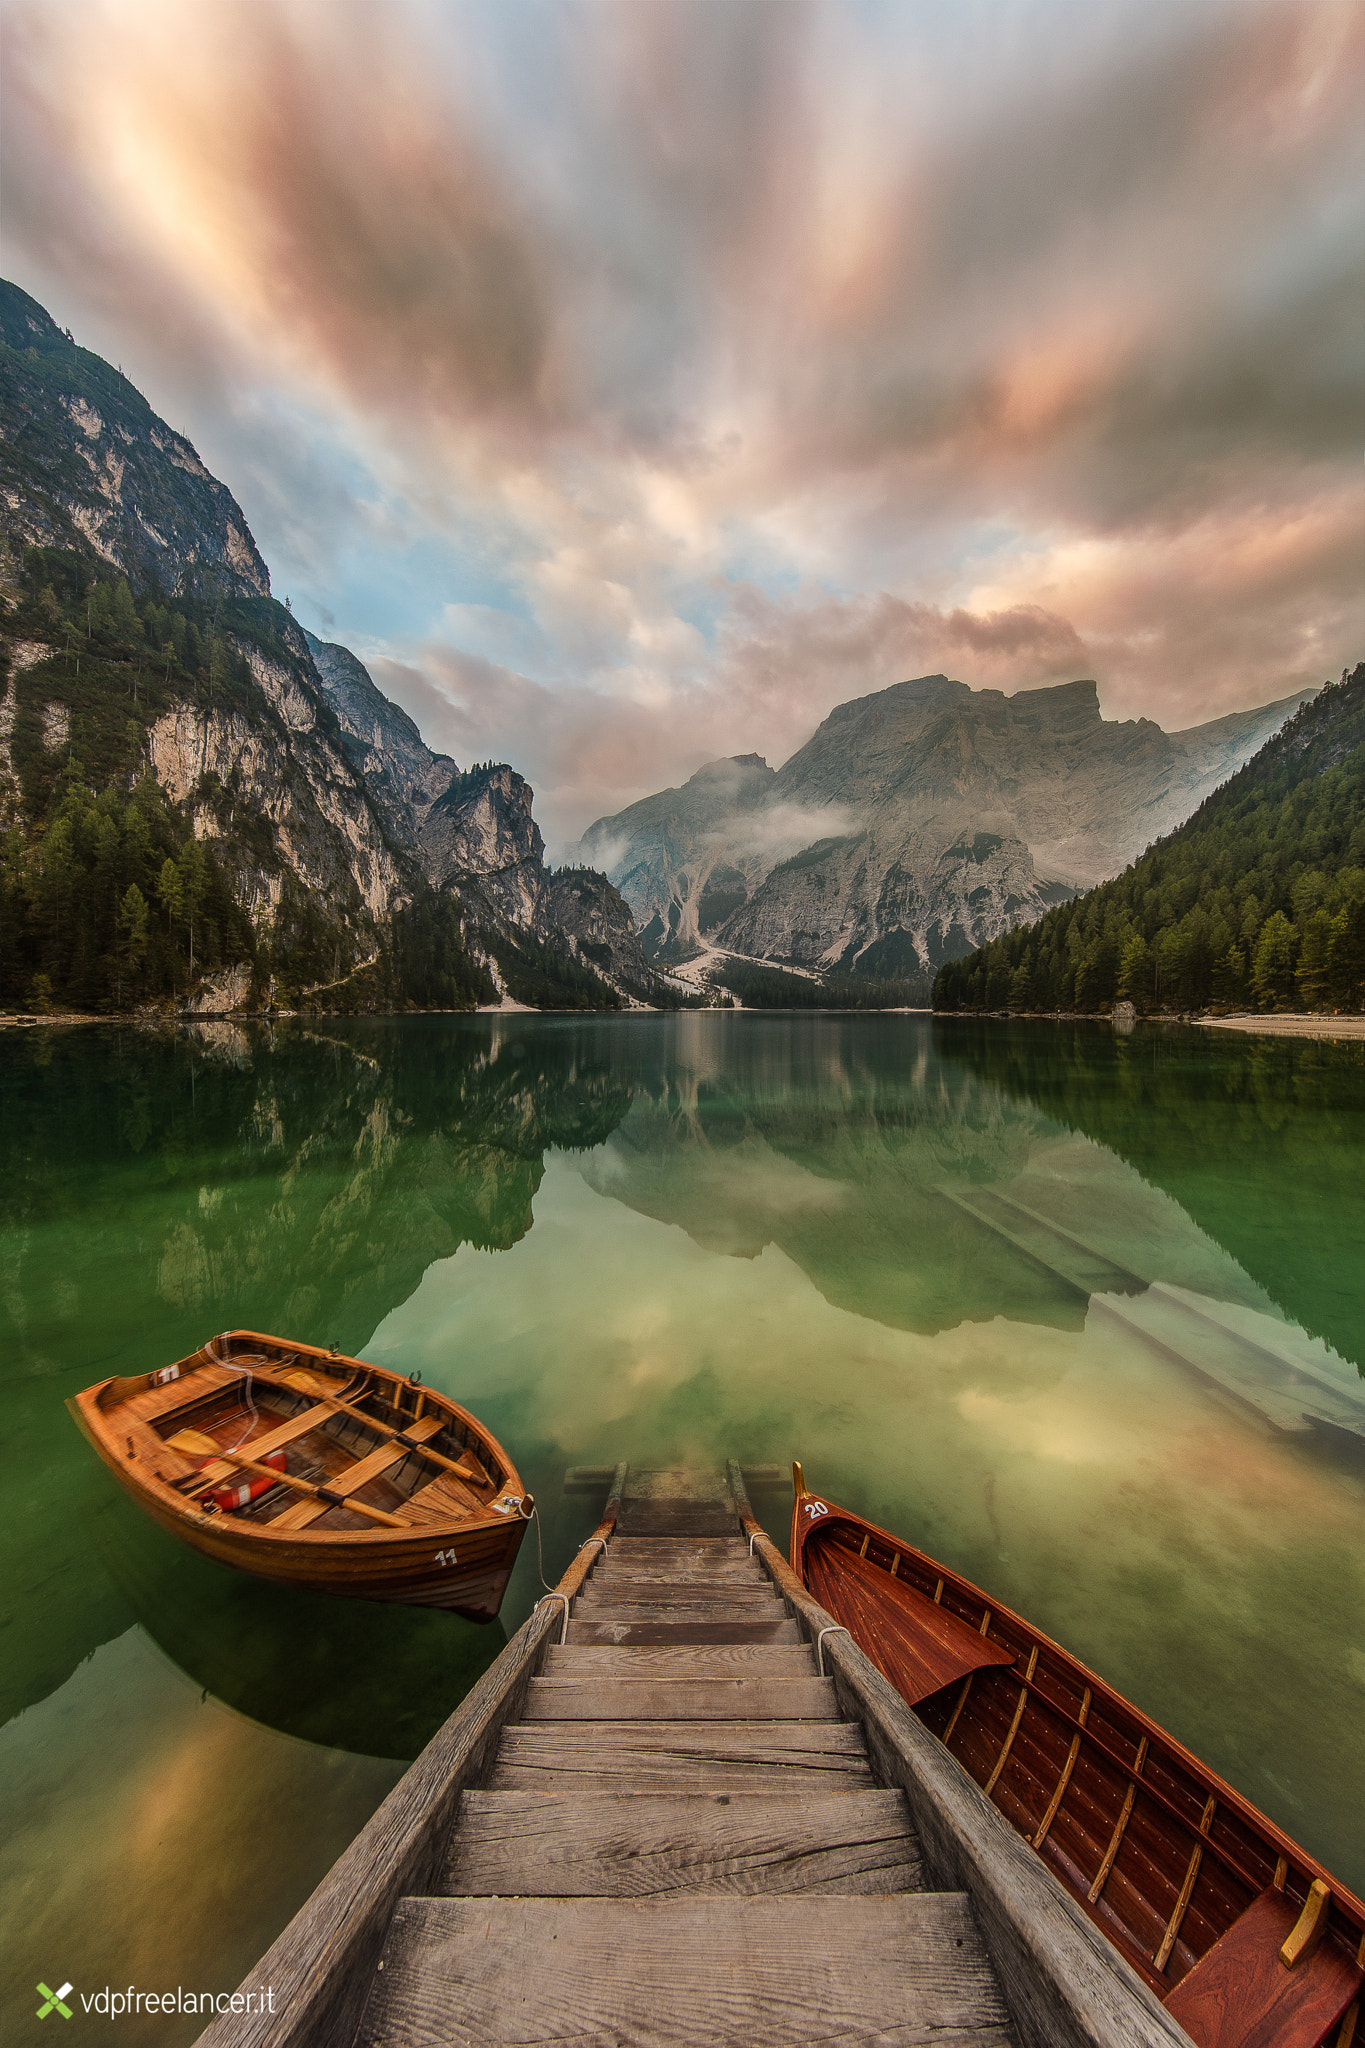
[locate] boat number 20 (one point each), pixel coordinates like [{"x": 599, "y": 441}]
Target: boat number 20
[{"x": 445, "y": 1557}]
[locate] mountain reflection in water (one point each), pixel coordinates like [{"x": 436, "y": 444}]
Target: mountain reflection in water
[{"x": 1080, "y": 1315}]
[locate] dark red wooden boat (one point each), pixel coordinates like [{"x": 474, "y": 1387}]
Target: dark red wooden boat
[
  {"x": 1248, "y": 1941},
  {"x": 301, "y": 1465}
]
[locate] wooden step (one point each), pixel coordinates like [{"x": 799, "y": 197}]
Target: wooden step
[
  {"x": 746, "y": 1972},
  {"x": 680, "y": 1699},
  {"x": 688, "y": 1605},
  {"x": 680, "y": 1756},
  {"x": 636, "y": 1845},
  {"x": 680, "y": 1549},
  {"x": 637, "y": 1585},
  {"x": 598, "y": 1628},
  {"x": 640, "y": 1572},
  {"x": 721, "y": 1660},
  {"x": 660, "y": 1523}
]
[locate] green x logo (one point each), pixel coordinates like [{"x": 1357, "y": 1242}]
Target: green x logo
[{"x": 54, "y": 1998}]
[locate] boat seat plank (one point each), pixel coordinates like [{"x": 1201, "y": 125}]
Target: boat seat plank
[
  {"x": 919, "y": 1647},
  {"x": 1240, "y": 1995},
  {"x": 155, "y": 1402},
  {"x": 373, "y": 1466},
  {"x": 674, "y": 1633},
  {"x": 276, "y": 1439},
  {"x": 447, "y": 1497},
  {"x": 680, "y": 1699},
  {"x": 679, "y": 1756},
  {"x": 638, "y": 1844},
  {"x": 506, "y": 1973},
  {"x": 716, "y": 1660}
]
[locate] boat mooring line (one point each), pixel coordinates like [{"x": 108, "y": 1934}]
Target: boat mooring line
[
  {"x": 564, "y": 1633},
  {"x": 833, "y": 1630}
]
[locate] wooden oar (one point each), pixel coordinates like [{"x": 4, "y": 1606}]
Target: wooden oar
[
  {"x": 299, "y": 1376},
  {"x": 198, "y": 1445}
]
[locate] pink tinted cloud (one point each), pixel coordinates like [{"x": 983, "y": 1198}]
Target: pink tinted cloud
[{"x": 1018, "y": 357}]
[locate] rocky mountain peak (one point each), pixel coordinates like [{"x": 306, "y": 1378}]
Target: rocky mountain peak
[
  {"x": 86, "y": 463},
  {"x": 915, "y": 822}
]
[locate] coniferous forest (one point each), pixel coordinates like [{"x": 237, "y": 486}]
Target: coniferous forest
[{"x": 1257, "y": 902}]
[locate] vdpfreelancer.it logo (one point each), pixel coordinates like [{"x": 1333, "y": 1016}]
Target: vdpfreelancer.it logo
[{"x": 54, "y": 2001}]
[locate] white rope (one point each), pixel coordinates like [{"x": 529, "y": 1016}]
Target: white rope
[
  {"x": 564, "y": 1633},
  {"x": 833, "y": 1630},
  {"x": 753, "y": 1539},
  {"x": 589, "y": 1540},
  {"x": 534, "y": 1516}
]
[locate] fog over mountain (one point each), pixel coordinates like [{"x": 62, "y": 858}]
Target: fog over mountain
[{"x": 913, "y": 825}]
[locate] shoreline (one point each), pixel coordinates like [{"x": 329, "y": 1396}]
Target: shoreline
[{"x": 1290, "y": 1024}]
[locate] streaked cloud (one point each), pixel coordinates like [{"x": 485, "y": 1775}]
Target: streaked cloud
[{"x": 629, "y": 384}]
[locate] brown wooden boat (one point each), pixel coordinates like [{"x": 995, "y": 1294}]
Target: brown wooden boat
[
  {"x": 318, "y": 1470},
  {"x": 1248, "y": 1941}
]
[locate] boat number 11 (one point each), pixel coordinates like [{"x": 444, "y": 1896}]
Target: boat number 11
[{"x": 445, "y": 1557}]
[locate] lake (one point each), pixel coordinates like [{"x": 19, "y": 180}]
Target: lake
[{"x": 1082, "y": 1314}]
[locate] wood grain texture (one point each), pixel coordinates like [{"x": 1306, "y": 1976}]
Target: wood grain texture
[
  {"x": 692, "y": 1609},
  {"x": 678, "y": 1756},
  {"x": 507, "y": 1973},
  {"x": 708, "y": 1632},
  {"x": 320, "y": 1967},
  {"x": 1065, "y": 1985},
  {"x": 1240, "y": 1995},
  {"x": 680, "y": 1699},
  {"x": 719, "y": 1660},
  {"x": 637, "y": 1845}
]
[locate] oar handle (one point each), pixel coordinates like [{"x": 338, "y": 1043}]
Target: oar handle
[
  {"x": 422, "y": 1450},
  {"x": 352, "y": 1507}
]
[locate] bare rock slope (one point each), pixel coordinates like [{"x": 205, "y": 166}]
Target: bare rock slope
[{"x": 913, "y": 825}]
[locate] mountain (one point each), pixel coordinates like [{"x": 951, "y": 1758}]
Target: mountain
[
  {"x": 203, "y": 804},
  {"x": 401, "y": 773},
  {"x": 913, "y": 824},
  {"x": 1257, "y": 901}
]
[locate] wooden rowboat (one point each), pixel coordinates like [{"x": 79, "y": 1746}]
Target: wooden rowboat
[
  {"x": 317, "y": 1470},
  {"x": 1247, "y": 1940}
]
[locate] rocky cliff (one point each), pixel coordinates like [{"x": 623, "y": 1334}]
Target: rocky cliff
[
  {"x": 137, "y": 633},
  {"x": 914, "y": 824},
  {"x": 480, "y": 838},
  {"x": 383, "y": 744}
]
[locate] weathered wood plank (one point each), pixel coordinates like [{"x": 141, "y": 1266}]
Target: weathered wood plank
[
  {"x": 320, "y": 1967},
  {"x": 680, "y": 1549},
  {"x": 698, "y": 1609},
  {"x": 672, "y": 1756},
  {"x": 507, "y": 1973},
  {"x": 680, "y": 1699},
  {"x": 719, "y": 1577},
  {"x": 721, "y": 1660},
  {"x": 1066, "y": 1986},
  {"x": 637, "y": 1845},
  {"x": 674, "y": 1632}
]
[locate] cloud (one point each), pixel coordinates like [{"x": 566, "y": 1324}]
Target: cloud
[{"x": 635, "y": 381}]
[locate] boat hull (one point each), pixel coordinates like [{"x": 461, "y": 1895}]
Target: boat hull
[
  {"x": 459, "y": 1562},
  {"x": 1168, "y": 1860}
]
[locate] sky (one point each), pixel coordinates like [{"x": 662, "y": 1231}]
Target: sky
[{"x": 628, "y": 382}]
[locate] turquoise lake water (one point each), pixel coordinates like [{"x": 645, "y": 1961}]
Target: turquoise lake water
[{"x": 1083, "y": 1315}]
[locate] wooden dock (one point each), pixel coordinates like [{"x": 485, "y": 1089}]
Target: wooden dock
[{"x": 672, "y": 1813}]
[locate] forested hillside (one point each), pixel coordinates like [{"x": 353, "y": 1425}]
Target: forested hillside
[{"x": 1257, "y": 902}]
